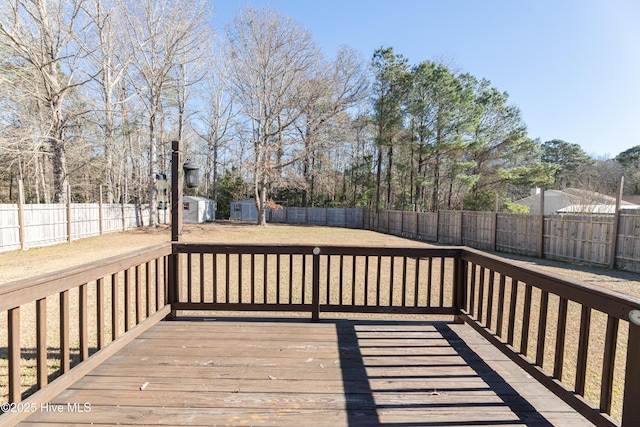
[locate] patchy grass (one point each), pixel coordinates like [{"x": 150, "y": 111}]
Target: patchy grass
[{"x": 22, "y": 264}]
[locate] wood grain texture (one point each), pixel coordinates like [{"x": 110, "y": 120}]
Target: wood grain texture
[{"x": 246, "y": 371}]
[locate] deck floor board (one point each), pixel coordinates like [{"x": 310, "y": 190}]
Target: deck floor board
[{"x": 238, "y": 371}]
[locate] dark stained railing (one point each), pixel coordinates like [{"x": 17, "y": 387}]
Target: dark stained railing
[
  {"x": 565, "y": 333},
  {"x": 575, "y": 338},
  {"x": 94, "y": 306}
]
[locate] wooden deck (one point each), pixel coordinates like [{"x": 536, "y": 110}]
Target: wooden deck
[{"x": 249, "y": 371}]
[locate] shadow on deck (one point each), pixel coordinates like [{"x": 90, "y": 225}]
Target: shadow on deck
[{"x": 249, "y": 371}]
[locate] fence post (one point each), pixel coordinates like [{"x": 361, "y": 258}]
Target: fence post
[
  {"x": 495, "y": 225},
  {"x": 616, "y": 225},
  {"x": 100, "y": 213},
  {"x": 315, "y": 299},
  {"x": 541, "y": 236},
  {"x": 462, "y": 222},
  {"x": 69, "y": 213},
  {"x": 630, "y": 407},
  {"x": 438, "y": 226},
  {"x": 418, "y": 225},
  {"x": 124, "y": 220},
  {"x": 23, "y": 244}
]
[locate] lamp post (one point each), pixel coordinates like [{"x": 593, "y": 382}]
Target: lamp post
[{"x": 191, "y": 177}]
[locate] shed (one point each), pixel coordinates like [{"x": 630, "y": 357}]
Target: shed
[
  {"x": 243, "y": 210},
  {"x": 198, "y": 210}
]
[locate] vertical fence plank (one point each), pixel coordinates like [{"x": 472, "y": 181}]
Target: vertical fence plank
[
  {"x": 491, "y": 291},
  {"x": 501, "y": 293},
  {"x": 315, "y": 298},
  {"x": 630, "y": 407},
  {"x": 214, "y": 273},
  {"x": 341, "y": 284},
  {"x": 189, "y": 277},
  {"x": 202, "y": 277},
  {"x": 583, "y": 349},
  {"x": 304, "y": 279},
  {"x": 41, "y": 342},
  {"x": 21, "y": 223},
  {"x": 265, "y": 258},
  {"x": 558, "y": 364},
  {"x": 472, "y": 290},
  {"x": 69, "y": 227},
  {"x": 157, "y": 289},
  {"x": 404, "y": 281},
  {"x": 115, "y": 304},
  {"x": 100, "y": 311},
  {"x": 526, "y": 320},
  {"x": 442, "y": 271},
  {"x": 481, "y": 295},
  {"x": 278, "y": 279},
  {"x": 608, "y": 364},
  {"x": 13, "y": 326},
  {"x": 416, "y": 280},
  {"x": 366, "y": 280},
  {"x": 542, "y": 328},
  {"x": 239, "y": 278},
  {"x": 430, "y": 280},
  {"x": 64, "y": 332},
  {"x": 391, "y": 279},
  {"x": 512, "y": 311},
  {"x": 83, "y": 325},
  {"x": 328, "y": 293},
  {"x": 253, "y": 278},
  {"x": 378, "y": 283},
  {"x": 127, "y": 299},
  {"x": 138, "y": 295},
  {"x": 227, "y": 282},
  {"x": 290, "y": 279},
  {"x": 353, "y": 279},
  {"x": 147, "y": 288}
]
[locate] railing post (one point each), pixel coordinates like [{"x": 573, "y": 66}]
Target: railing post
[
  {"x": 315, "y": 298},
  {"x": 176, "y": 224},
  {"x": 630, "y": 407},
  {"x": 460, "y": 286}
]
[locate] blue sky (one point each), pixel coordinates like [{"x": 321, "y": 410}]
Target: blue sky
[{"x": 571, "y": 66}]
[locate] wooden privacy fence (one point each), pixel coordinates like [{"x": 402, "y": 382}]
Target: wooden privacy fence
[
  {"x": 606, "y": 240},
  {"x": 31, "y": 226},
  {"x": 333, "y": 217},
  {"x": 526, "y": 314}
]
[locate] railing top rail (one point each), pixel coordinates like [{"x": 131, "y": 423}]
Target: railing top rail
[
  {"x": 608, "y": 301},
  {"x": 19, "y": 292},
  {"x": 440, "y": 251}
]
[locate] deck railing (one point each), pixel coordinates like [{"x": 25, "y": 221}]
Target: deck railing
[
  {"x": 97, "y": 305},
  {"x": 575, "y": 338}
]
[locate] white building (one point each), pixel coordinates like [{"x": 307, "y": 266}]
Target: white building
[
  {"x": 572, "y": 200},
  {"x": 197, "y": 210}
]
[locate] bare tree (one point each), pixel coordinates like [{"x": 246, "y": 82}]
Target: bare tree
[
  {"x": 160, "y": 31},
  {"x": 43, "y": 35},
  {"x": 338, "y": 86},
  {"x": 215, "y": 118},
  {"x": 108, "y": 62},
  {"x": 271, "y": 59}
]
